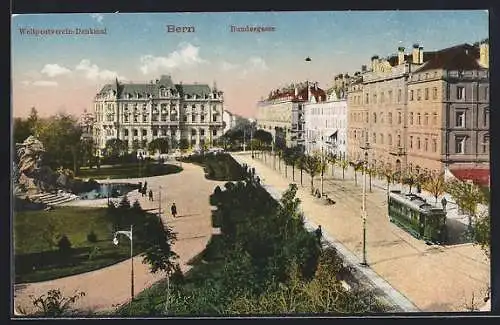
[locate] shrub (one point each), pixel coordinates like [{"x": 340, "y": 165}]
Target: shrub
[
  {"x": 64, "y": 244},
  {"x": 92, "y": 237},
  {"x": 54, "y": 304}
]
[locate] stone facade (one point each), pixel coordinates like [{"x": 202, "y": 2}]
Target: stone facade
[
  {"x": 424, "y": 111},
  {"x": 139, "y": 113},
  {"x": 326, "y": 126},
  {"x": 282, "y": 113}
]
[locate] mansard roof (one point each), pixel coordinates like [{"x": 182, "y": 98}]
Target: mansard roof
[
  {"x": 153, "y": 88},
  {"x": 459, "y": 57}
]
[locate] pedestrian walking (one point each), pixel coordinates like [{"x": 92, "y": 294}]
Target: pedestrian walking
[
  {"x": 150, "y": 195},
  {"x": 173, "y": 209},
  {"x": 319, "y": 234}
]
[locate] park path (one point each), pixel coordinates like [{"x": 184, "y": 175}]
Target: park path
[
  {"x": 434, "y": 278},
  {"x": 110, "y": 286}
]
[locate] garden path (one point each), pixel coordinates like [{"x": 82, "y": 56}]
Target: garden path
[{"x": 110, "y": 286}]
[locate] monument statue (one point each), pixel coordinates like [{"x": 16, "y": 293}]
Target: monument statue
[{"x": 30, "y": 154}]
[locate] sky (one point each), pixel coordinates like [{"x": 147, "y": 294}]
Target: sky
[{"x": 63, "y": 72}]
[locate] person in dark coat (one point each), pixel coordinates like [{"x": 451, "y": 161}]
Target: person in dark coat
[
  {"x": 319, "y": 234},
  {"x": 173, "y": 209},
  {"x": 150, "y": 195}
]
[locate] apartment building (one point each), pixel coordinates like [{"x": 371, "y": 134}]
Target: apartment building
[
  {"x": 282, "y": 113},
  {"x": 410, "y": 108}
]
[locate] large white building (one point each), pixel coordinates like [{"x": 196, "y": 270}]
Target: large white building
[
  {"x": 326, "y": 126},
  {"x": 187, "y": 115},
  {"x": 282, "y": 113},
  {"x": 229, "y": 120}
]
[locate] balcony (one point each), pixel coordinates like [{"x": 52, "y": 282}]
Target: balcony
[{"x": 397, "y": 151}]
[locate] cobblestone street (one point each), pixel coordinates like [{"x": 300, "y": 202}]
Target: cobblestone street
[{"x": 434, "y": 278}]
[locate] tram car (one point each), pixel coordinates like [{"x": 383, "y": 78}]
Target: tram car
[{"x": 418, "y": 217}]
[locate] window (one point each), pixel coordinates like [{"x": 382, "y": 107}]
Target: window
[
  {"x": 381, "y": 117},
  {"x": 214, "y": 118},
  {"x": 399, "y": 95},
  {"x": 390, "y": 118},
  {"x": 426, "y": 119},
  {"x": 374, "y": 137},
  {"x": 418, "y": 143},
  {"x": 426, "y": 93},
  {"x": 390, "y": 96},
  {"x": 460, "y": 92},
  {"x": 411, "y": 118},
  {"x": 486, "y": 93},
  {"x": 354, "y": 133},
  {"x": 390, "y": 139},
  {"x": 434, "y": 145},
  {"x": 418, "y": 119},
  {"x": 399, "y": 117},
  {"x": 460, "y": 119},
  {"x": 202, "y": 132},
  {"x": 214, "y": 133},
  {"x": 382, "y": 97},
  {"x": 144, "y": 133},
  {"x": 486, "y": 142},
  {"x": 426, "y": 144},
  {"x": 486, "y": 116},
  {"x": 374, "y": 98},
  {"x": 366, "y": 98},
  {"x": 366, "y": 117},
  {"x": 434, "y": 93},
  {"x": 399, "y": 140},
  {"x": 411, "y": 142},
  {"x": 460, "y": 144},
  {"x": 135, "y": 133},
  {"x": 434, "y": 118},
  {"x": 185, "y": 118},
  {"x": 202, "y": 118},
  {"x": 193, "y": 131},
  {"x": 155, "y": 132},
  {"x": 193, "y": 106},
  {"x": 419, "y": 95},
  {"x": 193, "y": 117},
  {"x": 125, "y": 132},
  {"x": 374, "y": 117},
  {"x": 381, "y": 138},
  {"x": 411, "y": 94}
]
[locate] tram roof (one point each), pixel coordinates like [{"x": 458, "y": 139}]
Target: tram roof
[{"x": 414, "y": 201}]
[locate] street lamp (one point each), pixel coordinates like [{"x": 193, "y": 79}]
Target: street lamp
[
  {"x": 363, "y": 204},
  {"x": 159, "y": 203},
  {"x": 140, "y": 163},
  {"x": 115, "y": 241}
]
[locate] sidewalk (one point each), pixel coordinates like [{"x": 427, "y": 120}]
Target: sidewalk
[{"x": 433, "y": 278}]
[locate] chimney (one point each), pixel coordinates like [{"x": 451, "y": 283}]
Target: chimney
[
  {"x": 401, "y": 55},
  {"x": 363, "y": 68},
  {"x": 415, "y": 55},
  {"x": 484, "y": 56},
  {"x": 420, "y": 55},
  {"x": 374, "y": 62}
]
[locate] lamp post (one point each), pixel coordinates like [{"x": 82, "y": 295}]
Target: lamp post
[
  {"x": 322, "y": 164},
  {"x": 363, "y": 204},
  {"x": 244, "y": 140},
  {"x": 115, "y": 241},
  {"x": 159, "y": 203},
  {"x": 140, "y": 163}
]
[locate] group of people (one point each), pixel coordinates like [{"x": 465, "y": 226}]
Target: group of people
[{"x": 143, "y": 191}]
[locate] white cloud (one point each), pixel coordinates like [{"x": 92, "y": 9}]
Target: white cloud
[
  {"x": 40, "y": 83},
  {"x": 226, "y": 66},
  {"x": 98, "y": 17},
  {"x": 254, "y": 64},
  {"x": 187, "y": 55},
  {"x": 53, "y": 70},
  {"x": 93, "y": 72}
]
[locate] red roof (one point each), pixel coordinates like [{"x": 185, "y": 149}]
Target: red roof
[{"x": 480, "y": 176}]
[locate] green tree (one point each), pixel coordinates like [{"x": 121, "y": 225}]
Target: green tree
[
  {"x": 21, "y": 130},
  {"x": 115, "y": 147},
  {"x": 344, "y": 164},
  {"x": 158, "y": 144},
  {"x": 313, "y": 166},
  {"x": 158, "y": 244},
  {"x": 263, "y": 136},
  {"x": 435, "y": 185},
  {"x": 357, "y": 168},
  {"x": 54, "y": 304},
  {"x": 332, "y": 159}
]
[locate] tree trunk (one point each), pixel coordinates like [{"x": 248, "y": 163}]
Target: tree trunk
[
  {"x": 312, "y": 182},
  {"x": 370, "y": 174},
  {"x": 301, "y": 172},
  {"x": 355, "y": 178},
  {"x": 343, "y": 173},
  {"x": 333, "y": 170},
  {"x": 293, "y": 173},
  {"x": 286, "y": 176}
]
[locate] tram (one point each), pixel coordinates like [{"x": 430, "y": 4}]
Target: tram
[{"x": 418, "y": 217}]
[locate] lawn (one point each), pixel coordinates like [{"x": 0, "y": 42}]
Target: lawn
[
  {"x": 129, "y": 170},
  {"x": 35, "y": 243}
]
